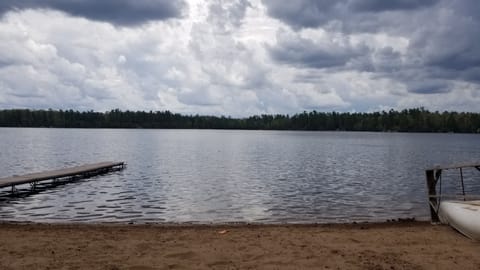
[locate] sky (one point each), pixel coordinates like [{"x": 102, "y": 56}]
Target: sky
[{"x": 240, "y": 57}]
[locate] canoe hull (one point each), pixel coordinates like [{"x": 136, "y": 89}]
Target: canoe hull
[{"x": 464, "y": 216}]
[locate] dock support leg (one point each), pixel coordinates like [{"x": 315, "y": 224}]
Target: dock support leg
[
  {"x": 432, "y": 193},
  {"x": 463, "y": 185},
  {"x": 33, "y": 186},
  {"x": 14, "y": 190}
]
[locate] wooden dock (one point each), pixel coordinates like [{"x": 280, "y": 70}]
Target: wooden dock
[
  {"x": 63, "y": 175},
  {"x": 434, "y": 176}
]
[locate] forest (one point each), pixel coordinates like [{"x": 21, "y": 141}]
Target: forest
[{"x": 408, "y": 120}]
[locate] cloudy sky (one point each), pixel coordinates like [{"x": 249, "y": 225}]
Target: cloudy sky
[{"x": 240, "y": 57}]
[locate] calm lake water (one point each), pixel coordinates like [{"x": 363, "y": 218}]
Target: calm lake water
[{"x": 205, "y": 176}]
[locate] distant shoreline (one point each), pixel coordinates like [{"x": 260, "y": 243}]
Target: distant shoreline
[
  {"x": 411, "y": 120},
  {"x": 223, "y": 129}
]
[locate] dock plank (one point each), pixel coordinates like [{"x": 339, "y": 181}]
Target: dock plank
[
  {"x": 66, "y": 172},
  {"x": 455, "y": 166}
]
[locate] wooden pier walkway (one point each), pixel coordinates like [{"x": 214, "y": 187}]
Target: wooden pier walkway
[{"x": 72, "y": 173}]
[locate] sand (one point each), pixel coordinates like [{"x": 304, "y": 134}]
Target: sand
[{"x": 408, "y": 245}]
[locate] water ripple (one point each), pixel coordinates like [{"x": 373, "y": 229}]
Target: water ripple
[{"x": 204, "y": 176}]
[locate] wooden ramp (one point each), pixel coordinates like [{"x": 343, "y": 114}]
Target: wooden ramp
[{"x": 72, "y": 173}]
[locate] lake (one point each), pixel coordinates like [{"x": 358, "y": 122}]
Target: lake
[{"x": 216, "y": 176}]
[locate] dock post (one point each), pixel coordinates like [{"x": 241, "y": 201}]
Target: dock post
[
  {"x": 463, "y": 185},
  {"x": 432, "y": 193},
  {"x": 14, "y": 190},
  {"x": 33, "y": 186}
]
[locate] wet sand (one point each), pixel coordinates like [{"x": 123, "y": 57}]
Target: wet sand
[{"x": 402, "y": 245}]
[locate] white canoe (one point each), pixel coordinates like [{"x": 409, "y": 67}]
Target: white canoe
[{"x": 464, "y": 216}]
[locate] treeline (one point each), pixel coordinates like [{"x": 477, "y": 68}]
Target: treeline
[{"x": 411, "y": 120}]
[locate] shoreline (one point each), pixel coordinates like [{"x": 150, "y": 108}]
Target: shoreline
[
  {"x": 381, "y": 245},
  {"x": 217, "y": 224}
]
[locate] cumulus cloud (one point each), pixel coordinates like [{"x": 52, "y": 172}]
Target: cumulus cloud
[
  {"x": 240, "y": 57},
  {"x": 119, "y": 12},
  {"x": 227, "y": 15}
]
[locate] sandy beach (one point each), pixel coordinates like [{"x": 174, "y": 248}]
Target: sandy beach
[{"x": 401, "y": 245}]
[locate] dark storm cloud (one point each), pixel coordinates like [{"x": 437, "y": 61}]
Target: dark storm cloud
[
  {"x": 305, "y": 53},
  {"x": 389, "y": 5},
  {"x": 428, "y": 87},
  {"x": 443, "y": 39},
  {"x": 448, "y": 44},
  {"x": 314, "y": 13},
  {"x": 303, "y": 13},
  {"x": 119, "y": 12}
]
